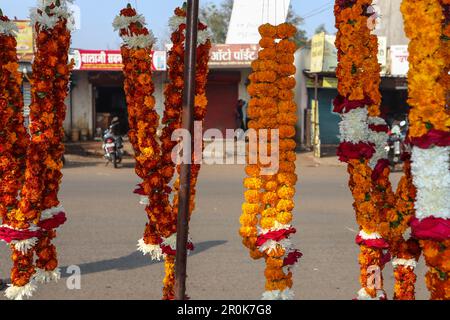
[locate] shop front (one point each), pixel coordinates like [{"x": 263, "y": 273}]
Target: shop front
[
  {"x": 97, "y": 94},
  {"x": 230, "y": 67}
]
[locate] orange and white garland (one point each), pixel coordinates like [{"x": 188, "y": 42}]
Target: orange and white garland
[
  {"x": 154, "y": 158},
  {"x": 428, "y": 84},
  {"x": 358, "y": 102},
  {"x": 142, "y": 116},
  {"x": 32, "y": 222},
  {"x": 269, "y": 197}
]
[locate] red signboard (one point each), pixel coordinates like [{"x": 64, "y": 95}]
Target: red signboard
[{"x": 110, "y": 60}]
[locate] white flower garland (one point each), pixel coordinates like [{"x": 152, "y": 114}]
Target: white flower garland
[
  {"x": 404, "y": 262},
  {"x": 379, "y": 139},
  {"x": 276, "y": 227},
  {"x": 24, "y": 245},
  {"x": 121, "y": 22},
  {"x": 353, "y": 127},
  {"x": 48, "y": 18},
  {"x": 202, "y": 35},
  {"x": 20, "y": 293},
  {"x": 43, "y": 276},
  {"x": 50, "y": 213},
  {"x": 153, "y": 250},
  {"x": 286, "y": 294},
  {"x": 272, "y": 245},
  {"x": 431, "y": 176},
  {"x": 32, "y": 227},
  {"x": 8, "y": 28},
  {"x": 139, "y": 41},
  {"x": 369, "y": 236},
  {"x": 363, "y": 295}
]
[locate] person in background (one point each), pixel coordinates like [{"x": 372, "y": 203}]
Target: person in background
[
  {"x": 241, "y": 115},
  {"x": 245, "y": 116}
]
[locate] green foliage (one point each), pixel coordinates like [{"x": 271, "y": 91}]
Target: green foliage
[{"x": 321, "y": 28}]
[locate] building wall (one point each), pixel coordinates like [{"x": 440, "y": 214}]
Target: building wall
[
  {"x": 82, "y": 103},
  {"x": 302, "y": 62},
  {"x": 390, "y": 24}
]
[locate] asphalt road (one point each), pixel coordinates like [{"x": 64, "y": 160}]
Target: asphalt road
[{"x": 105, "y": 221}]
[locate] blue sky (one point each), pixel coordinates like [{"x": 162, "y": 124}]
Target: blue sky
[{"x": 97, "y": 15}]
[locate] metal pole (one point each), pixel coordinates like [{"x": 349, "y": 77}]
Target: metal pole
[{"x": 185, "y": 173}]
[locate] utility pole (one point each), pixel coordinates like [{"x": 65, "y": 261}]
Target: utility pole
[{"x": 190, "y": 60}]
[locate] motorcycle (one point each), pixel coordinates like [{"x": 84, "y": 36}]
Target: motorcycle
[
  {"x": 112, "y": 146},
  {"x": 396, "y": 144}
]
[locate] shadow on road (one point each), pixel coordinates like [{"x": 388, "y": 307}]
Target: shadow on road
[{"x": 133, "y": 261}]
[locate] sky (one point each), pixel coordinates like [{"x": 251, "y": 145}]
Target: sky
[{"x": 97, "y": 16}]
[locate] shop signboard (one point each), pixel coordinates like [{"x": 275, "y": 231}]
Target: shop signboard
[
  {"x": 24, "y": 40},
  {"x": 399, "y": 64},
  {"x": 238, "y": 55},
  {"x": 111, "y": 60},
  {"x": 248, "y": 15},
  {"x": 324, "y": 53}
]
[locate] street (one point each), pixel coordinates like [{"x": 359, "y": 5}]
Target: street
[{"x": 105, "y": 221}]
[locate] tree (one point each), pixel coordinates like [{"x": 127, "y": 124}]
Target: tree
[
  {"x": 293, "y": 18},
  {"x": 218, "y": 19},
  {"x": 321, "y": 28}
]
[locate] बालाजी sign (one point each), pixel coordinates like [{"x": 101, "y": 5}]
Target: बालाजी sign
[
  {"x": 233, "y": 55},
  {"x": 111, "y": 60}
]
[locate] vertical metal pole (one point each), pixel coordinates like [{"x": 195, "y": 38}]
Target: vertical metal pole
[{"x": 185, "y": 173}]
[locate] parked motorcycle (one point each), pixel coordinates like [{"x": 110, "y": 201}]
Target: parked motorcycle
[
  {"x": 113, "y": 145},
  {"x": 396, "y": 144}
]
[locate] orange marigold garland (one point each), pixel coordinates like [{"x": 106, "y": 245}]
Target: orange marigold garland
[
  {"x": 13, "y": 144},
  {"x": 160, "y": 235},
  {"x": 53, "y": 214},
  {"x": 46, "y": 115},
  {"x": 13, "y": 136},
  {"x": 270, "y": 195},
  {"x": 430, "y": 135},
  {"x": 142, "y": 116},
  {"x": 168, "y": 233},
  {"x": 359, "y": 97}
]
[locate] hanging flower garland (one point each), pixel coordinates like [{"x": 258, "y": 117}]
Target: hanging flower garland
[
  {"x": 53, "y": 214},
  {"x": 430, "y": 136},
  {"x": 143, "y": 118},
  {"x": 269, "y": 196},
  {"x": 159, "y": 239},
  {"x": 46, "y": 114},
  {"x": 359, "y": 97},
  {"x": 395, "y": 210},
  {"x": 13, "y": 137},
  {"x": 13, "y": 144},
  {"x": 168, "y": 244}
]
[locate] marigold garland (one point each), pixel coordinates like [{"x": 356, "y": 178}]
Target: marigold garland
[
  {"x": 13, "y": 138},
  {"x": 34, "y": 218},
  {"x": 142, "y": 117},
  {"x": 154, "y": 158},
  {"x": 430, "y": 135},
  {"x": 359, "y": 98},
  {"x": 269, "y": 196},
  {"x": 13, "y": 144},
  {"x": 53, "y": 214},
  {"x": 200, "y": 104}
]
